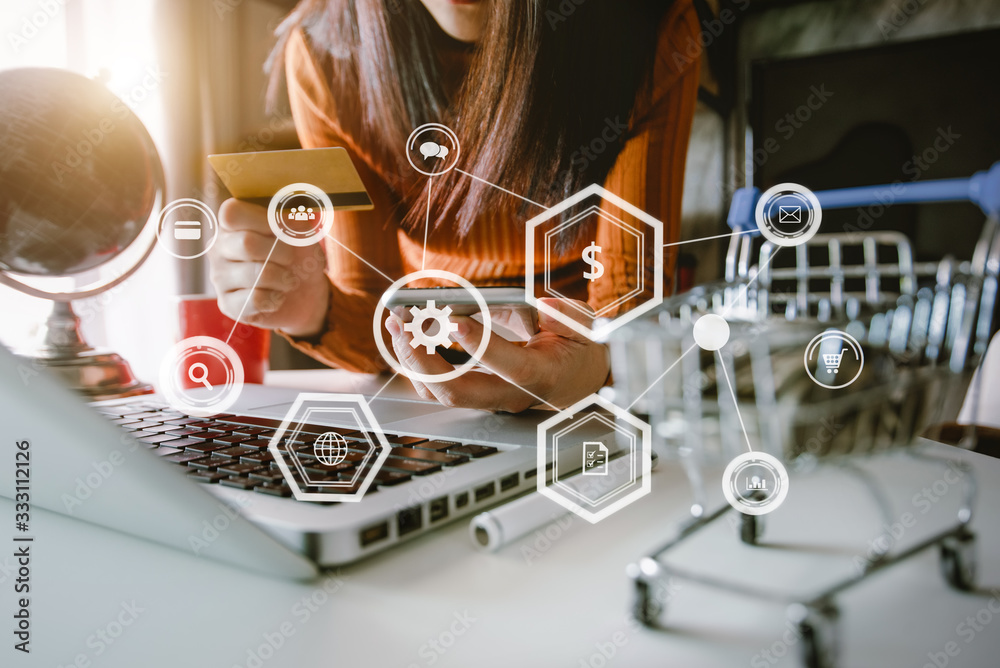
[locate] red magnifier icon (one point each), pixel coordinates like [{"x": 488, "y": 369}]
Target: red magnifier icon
[{"x": 202, "y": 374}]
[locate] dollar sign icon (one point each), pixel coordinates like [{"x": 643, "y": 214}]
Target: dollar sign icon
[{"x": 589, "y": 256}]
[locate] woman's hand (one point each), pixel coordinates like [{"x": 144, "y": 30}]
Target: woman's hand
[
  {"x": 556, "y": 367},
  {"x": 289, "y": 293}
]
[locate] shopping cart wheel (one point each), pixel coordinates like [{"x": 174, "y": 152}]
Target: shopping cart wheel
[
  {"x": 958, "y": 560},
  {"x": 751, "y": 526},
  {"x": 818, "y": 629},
  {"x": 647, "y": 609}
]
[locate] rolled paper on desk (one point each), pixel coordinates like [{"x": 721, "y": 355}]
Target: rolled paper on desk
[{"x": 501, "y": 526}]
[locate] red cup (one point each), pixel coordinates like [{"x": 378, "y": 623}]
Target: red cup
[{"x": 199, "y": 315}]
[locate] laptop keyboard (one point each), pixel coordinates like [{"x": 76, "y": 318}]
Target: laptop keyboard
[{"x": 231, "y": 450}]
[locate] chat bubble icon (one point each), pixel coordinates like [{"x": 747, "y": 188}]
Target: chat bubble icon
[{"x": 431, "y": 149}]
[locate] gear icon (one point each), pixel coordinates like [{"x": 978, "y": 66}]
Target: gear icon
[{"x": 444, "y": 327}]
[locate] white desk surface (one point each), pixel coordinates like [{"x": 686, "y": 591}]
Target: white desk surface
[{"x": 557, "y": 609}]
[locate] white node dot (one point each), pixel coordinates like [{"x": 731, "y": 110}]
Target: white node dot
[{"x": 711, "y": 332}]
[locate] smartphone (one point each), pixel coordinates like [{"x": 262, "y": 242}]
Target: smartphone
[
  {"x": 460, "y": 300},
  {"x": 510, "y": 317}
]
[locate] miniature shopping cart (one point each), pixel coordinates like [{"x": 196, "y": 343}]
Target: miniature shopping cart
[{"x": 923, "y": 327}]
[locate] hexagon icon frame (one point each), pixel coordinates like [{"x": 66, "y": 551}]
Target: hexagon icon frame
[
  {"x": 606, "y": 326},
  {"x": 645, "y": 454},
  {"x": 597, "y": 417},
  {"x": 620, "y": 224},
  {"x": 366, "y": 421},
  {"x": 293, "y": 455}
]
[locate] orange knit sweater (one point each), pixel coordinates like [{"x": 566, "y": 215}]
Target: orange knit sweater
[{"x": 648, "y": 173}]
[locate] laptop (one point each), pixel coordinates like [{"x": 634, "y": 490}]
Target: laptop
[{"x": 207, "y": 485}]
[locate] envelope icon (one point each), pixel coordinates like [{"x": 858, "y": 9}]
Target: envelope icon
[{"x": 789, "y": 214}]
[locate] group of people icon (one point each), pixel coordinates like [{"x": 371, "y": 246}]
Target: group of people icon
[{"x": 301, "y": 213}]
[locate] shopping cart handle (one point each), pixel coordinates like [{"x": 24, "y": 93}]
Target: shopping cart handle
[{"x": 982, "y": 188}]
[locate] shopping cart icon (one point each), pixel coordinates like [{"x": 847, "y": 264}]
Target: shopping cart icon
[{"x": 832, "y": 360}]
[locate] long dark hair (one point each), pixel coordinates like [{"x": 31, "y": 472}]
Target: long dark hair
[{"x": 546, "y": 80}]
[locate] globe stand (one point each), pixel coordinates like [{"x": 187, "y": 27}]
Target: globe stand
[
  {"x": 62, "y": 222},
  {"x": 95, "y": 374}
]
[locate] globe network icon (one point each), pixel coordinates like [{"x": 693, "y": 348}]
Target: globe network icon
[{"x": 330, "y": 448}]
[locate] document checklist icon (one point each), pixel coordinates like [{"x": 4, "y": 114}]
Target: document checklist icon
[{"x": 595, "y": 458}]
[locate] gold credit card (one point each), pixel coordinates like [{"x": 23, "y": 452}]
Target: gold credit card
[{"x": 256, "y": 177}]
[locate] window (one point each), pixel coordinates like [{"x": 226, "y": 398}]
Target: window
[{"x": 114, "y": 40}]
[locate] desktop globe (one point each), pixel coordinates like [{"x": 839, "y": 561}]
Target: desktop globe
[
  {"x": 80, "y": 179},
  {"x": 330, "y": 448}
]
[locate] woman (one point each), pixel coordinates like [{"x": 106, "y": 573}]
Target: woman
[{"x": 529, "y": 86}]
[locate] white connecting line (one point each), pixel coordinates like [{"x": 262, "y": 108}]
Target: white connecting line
[
  {"x": 725, "y": 372},
  {"x": 526, "y": 391},
  {"x": 264, "y": 265},
  {"x": 386, "y": 276},
  {"x": 542, "y": 206},
  {"x": 508, "y": 380},
  {"x": 426, "y": 229},
  {"x": 370, "y": 265},
  {"x": 252, "y": 288},
  {"x": 384, "y": 385},
  {"x": 509, "y": 192},
  {"x": 661, "y": 376},
  {"x": 717, "y": 236},
  {"x": 744, "y": 288},
  {"x": 427, "y": 223}
]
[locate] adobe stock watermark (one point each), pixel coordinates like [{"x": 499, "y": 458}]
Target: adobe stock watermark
[
  {"x": 711, "y": 30},
  {"x": 543, "y": 539},
  {"x": 771, "y": 655},
  {"x": 300, "y": 613},
  {"x": 787, "y": 126},
  {"x": 922, "y": 502},
  {"x": 562, "y": 12},
  {"x": 33, "y": 24},
  {"x": 430, "y": 486},
  {"x": 225, "y": 7},
  {"x": 606, "y": 650},
  {"x": 826, "y": 431},
  {"x": 90, "y": 308},
  {"x": 740, "y": 344},
  {"x": 213, "y": 528},
  {"x": 253, "y": 145},
  {"x": 431, "y": 651},
  {"x": 898, "y": 16},
  {"x": 79, "y": 148},
  {"x": 268, "y": 302},
  {"x": 587, "y": 153},
  {"x": 966, "y": 631},
  {"x": 89, "y": 482},
  {"x": 914, "y": 168},
  {"x": 103, "y": 638}
]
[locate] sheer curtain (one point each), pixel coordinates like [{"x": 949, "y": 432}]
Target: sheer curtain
[
  {"x": 112, "y": 40},
  {"x": 192, "y": 72}
]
